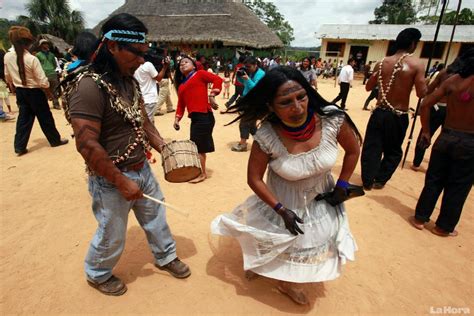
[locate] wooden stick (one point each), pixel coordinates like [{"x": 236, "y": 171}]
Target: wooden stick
[{"x": 174, "y": 208}]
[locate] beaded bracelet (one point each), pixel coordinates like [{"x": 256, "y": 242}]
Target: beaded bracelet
[
  {"x": 277, "y": 207},
  {"x": 342, "y": 184}
]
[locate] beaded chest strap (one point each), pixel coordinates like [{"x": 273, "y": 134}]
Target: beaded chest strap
[
  {"x": 383, "y": 93},
  {"x": 132, "y": 114}
]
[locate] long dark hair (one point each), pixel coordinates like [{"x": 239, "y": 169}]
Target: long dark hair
[
  {"x": 104, "y": 63},
  {"x": 255, "y": 105},
  {"x": 464, "y": 64},
  {"x": 84, "y": 46},
  {"x": 178, "y": 75}
]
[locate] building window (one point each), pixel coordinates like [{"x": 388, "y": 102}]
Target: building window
[
  {"x": 335, "y": 49},
  {"x": 391, "y": 49},
  {"x": 438, "y": 50}
]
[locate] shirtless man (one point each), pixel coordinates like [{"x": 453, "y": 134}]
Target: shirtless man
[
  {"x": 396, "y": 76},
  {"x": 452, "y": 157},
  {"x": 437, "y": 114}
]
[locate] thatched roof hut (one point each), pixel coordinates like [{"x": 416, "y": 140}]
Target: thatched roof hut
[
  {"x": 200, "y": 21},
  {"x": 57, "y": 42}
]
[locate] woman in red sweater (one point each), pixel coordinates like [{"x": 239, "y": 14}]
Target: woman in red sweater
[{"x": 191, "y": 86}]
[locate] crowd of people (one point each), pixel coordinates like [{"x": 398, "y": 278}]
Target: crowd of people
[{"x": 294, "y": 228}]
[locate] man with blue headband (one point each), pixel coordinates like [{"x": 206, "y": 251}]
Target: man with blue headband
[{"x": 114, "y": 136}]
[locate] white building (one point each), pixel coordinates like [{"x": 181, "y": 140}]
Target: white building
[{"x": 372, "y": 42}]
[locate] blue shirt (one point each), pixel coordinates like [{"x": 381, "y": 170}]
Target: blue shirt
[{"x": 252, "y": 81}]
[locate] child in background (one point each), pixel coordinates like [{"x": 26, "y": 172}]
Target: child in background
[
  {"x": 226, "y": 84},
  {"x": 4, "y": 94}
]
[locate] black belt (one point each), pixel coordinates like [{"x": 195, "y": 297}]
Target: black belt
[{"x": 135, "y": 167}]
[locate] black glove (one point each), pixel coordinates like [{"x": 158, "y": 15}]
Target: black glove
[
  {"x": 290, "y": 219},
  {"x": 339, "y": 194}
]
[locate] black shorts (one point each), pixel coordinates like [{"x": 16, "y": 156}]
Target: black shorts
[{"x": 202, "y": 125}]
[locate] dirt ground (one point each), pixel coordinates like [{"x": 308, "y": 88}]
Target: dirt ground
[{"x": 47, "y": 223}]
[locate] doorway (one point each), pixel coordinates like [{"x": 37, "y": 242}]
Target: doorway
[{"x": 359, "y": 53}]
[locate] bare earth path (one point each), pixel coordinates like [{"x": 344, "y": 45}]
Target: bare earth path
[{"x": 46, "y": 225}]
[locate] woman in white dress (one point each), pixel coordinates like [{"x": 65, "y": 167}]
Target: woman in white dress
[{"x": 295, "y": 228}]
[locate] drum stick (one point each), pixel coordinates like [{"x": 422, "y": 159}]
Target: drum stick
[{"x": 174, "y": 208}]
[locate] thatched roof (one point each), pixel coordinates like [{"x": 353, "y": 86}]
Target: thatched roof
[
  {"x": 59, "y": 43},
  {"x": 198, "y": 21}
]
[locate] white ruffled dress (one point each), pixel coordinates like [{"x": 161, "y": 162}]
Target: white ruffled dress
[{"x": 269, "y": 249}]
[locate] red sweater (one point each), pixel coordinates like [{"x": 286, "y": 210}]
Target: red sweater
[{"x": 192, "y": 95}]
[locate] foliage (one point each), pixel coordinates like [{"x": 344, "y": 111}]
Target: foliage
[
  {"x": 54, "y": 17},
  {"x": 395, "y": 12},
  {"x": 268, "y": 13},
  {"x": 466, "y": 17}
]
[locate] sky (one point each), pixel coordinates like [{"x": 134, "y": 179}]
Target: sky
[{"x": 305, "y": 16}]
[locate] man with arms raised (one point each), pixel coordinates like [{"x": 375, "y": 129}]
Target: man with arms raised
[{"x": 396, "y": 75}]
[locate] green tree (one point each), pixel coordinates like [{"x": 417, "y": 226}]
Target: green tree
[
  {"x": 268, "y": 13},
  {"x": 54, "y": 17},
  {"x": 466, "y": 17},
  {"x": 395, "y": 12}
]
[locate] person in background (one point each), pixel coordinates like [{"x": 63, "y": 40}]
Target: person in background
[
  {"x": 4, "y": 93},
  {"x": 48, "y": 62},
  {"x": 395, "y": 75},
  {"x": 345, "y": 82},
  {"x": 164, "y": 91},
  {"x": 451, "y": 167},
  {"x": 437, "y": 113},
  {"x": 84, "y": 47},
  {"x": 192, "y": 89},
  {"x": 308, "y": 73},
  {"x": 367, "y": 72},
  {"x": 226, "y": 92},
  {"x": 239, "y": 87},
  {"x": 24, "y": 71},
  {"x": 249, "y": 77}
]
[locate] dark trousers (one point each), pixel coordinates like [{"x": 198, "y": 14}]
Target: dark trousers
[
  {"x": 451, "y": 169},
  {"x": 343, "y": 92},
  {"x": 53, "y": 84},
  {"x": 247, "y": 128},
  {"x": 33, "y": 103},
  {"x": 238, "y": 92},
  {"x": 437, "y": 117},
  {"x": 384, "y": 136},
  {"x": 373, "y": 95}
]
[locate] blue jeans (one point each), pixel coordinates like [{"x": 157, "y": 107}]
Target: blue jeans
[{"x": 111, "y": 211}]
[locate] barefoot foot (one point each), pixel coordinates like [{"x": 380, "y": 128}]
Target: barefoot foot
[
  {"x": 200, "y": 178},
  {"x": 441, "y": 232},
  {"x": 416, "y": 223},
  {"x": 297, "y": 295}
]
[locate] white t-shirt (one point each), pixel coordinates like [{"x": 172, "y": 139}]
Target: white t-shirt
[
  {"x": 347, "y": 74},
  {"x": 145, "y": 75}
]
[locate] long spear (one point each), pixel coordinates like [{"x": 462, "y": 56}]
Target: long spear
[
  {"x": 452, "y": 33},
  {"x": 410, "y": 137}
]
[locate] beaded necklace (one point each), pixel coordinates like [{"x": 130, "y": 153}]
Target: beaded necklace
[
  {"x": 396, "y": 68},
  {"x": 131, "y": 114},
  {"x": 301, "y": 133}
]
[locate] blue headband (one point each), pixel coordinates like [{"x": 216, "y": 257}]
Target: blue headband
[{"x": 126, "y": 36}]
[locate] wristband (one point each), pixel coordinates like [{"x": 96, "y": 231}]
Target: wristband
[
  {"x": 342, "y": 184},
  {"x": 277, "y": 207}
]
